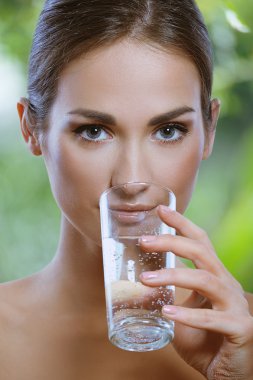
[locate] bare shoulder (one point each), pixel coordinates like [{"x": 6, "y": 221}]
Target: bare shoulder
[
  {"x": 14, "y": 298},
  {"x": 9, "y": 292},
  {"x": 249, "y": 297}
]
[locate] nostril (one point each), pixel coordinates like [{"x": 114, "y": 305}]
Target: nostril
[
  {"x": 132, "y": 196},
  {"x": 133, "y": 188}
]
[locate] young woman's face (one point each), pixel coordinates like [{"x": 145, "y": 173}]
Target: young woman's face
[{"x": 123, "y": 113}]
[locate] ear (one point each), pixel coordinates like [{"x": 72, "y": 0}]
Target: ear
[
  {"x": 27, "y": 130},
  {"x": 211, "y": 128}
]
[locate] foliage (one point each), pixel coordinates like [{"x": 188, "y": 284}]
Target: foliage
[
  {"x": 29, "y": 218},
  {"x": 17, "y": 21}
]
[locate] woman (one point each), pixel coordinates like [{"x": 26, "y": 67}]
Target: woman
[{"x": 120, "y": 91}]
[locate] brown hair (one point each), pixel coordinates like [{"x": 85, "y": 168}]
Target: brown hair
[{"x": 67, "y": 29}]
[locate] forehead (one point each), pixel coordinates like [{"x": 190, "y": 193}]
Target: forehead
[{"x": 129, "y": 76}]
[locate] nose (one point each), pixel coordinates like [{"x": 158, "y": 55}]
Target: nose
[{"x": 131, "y": 166}]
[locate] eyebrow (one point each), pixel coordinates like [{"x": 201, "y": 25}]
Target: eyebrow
[{"x": 109, "y": 119}]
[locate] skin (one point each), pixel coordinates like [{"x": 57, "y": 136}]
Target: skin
[{"x": 60, "y": 311}]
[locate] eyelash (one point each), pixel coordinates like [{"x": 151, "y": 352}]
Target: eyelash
[{"x": 178, "y": 127}]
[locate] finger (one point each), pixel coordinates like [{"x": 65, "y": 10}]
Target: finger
[
  {"x": 193, "y": 250},
  {"x": 213, "y": 320},
  {"x": 187, "y": 228},
  {"x": 201, "y": 281},
  {"x": 183, "y": 226}
]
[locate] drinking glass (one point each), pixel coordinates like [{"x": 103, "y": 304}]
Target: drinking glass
[{"x": 129, "y": 211}]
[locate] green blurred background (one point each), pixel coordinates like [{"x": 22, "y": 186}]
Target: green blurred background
[{"x": 223, "y": 200}]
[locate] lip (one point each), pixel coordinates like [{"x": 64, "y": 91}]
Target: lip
[
  {"x": 128, "y": 214},
  {"x": 129, "y": 217},
  {"x": 130, "y": 208}
]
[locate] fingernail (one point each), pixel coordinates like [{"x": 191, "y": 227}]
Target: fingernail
[
  {"x": 170, "y": 310},
  {"x": 165, "y": 209},
  {"x": 148, "y": 275},
  {"x": 147, "y": 239}
]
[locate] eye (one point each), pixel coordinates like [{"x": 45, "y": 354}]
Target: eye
[
  {"x": 92, "y": 133},
  {"x": 170, "y": 133}
]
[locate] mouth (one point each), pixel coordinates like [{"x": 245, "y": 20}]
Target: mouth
[
  {"x": 131, "y": 213},
  {"x": 130, "y": 207}
]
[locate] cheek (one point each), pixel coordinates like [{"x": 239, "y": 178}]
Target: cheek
[
  {"x": 179, "y": 172},
  {"x": 75, "y": 173},
  {"x": 187, "y": 171},
  {"x": 77, "y": 179}
]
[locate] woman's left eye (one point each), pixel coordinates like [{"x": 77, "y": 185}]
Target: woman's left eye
[
  {"x": 92, "y": 133},
  {"x": 170, "y": 133}
]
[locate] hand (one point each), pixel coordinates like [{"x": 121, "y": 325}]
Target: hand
[{"x": 214, "y": 328}]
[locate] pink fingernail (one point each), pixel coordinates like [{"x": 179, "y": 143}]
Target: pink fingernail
[
  {"x": 170, "y": 310},
  {"x": 147, "y": 239},
  {"x": 148, "y": 275},
  {"x": 165, "y": 209}
]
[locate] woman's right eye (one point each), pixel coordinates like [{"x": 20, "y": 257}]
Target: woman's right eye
[{"x": 92, "y": 133}]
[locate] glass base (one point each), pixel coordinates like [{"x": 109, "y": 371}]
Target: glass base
[{"x": 142, "y": 334}]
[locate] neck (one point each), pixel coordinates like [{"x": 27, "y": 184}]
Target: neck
[{"x": 75, "y": 274}]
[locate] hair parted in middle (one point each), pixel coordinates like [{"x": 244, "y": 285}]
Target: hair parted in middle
[{"x": 68, "y": 29}]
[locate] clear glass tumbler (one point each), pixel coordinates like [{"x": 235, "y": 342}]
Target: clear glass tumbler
[{"x": 129, "y": 211}]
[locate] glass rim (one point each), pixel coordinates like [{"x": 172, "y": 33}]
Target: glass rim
[{"x": 105, "y": 192}]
